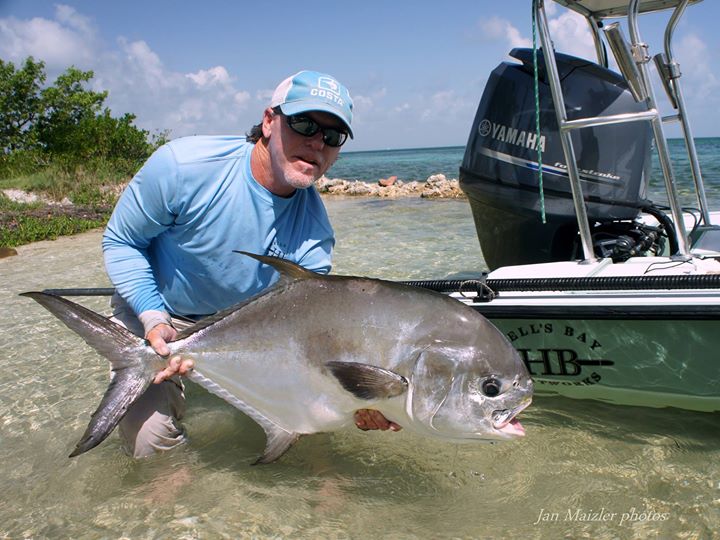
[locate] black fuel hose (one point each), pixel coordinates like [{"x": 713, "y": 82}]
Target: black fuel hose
[{"x": 667, "y": 224}]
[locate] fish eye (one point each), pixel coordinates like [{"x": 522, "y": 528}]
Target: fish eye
[{"x": 491, "y": 387}]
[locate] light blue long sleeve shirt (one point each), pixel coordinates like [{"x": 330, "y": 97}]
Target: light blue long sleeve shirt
[{"x": 169, "y": 243}]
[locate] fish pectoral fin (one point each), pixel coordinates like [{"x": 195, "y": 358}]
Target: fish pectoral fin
[
  {"x": 126, "y": 386},
  {"x": 278, "y": 442},
  {"x": 368, "y": 382}
]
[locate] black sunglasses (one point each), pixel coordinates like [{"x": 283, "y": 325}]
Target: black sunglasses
[{"x": 307, "y": 127}]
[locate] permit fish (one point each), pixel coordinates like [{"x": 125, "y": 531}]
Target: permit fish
[{"x": 305, "y": 354}]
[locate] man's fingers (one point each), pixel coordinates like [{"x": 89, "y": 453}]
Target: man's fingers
[
  {"x": 160, "y": 376},
  {"x": 176, "y": 366},
  {"x": 159, "y": 336},
  {"x": 367, "y": 419},
  {"x": 158, "y": 344},
  {"x": 186, "y": 366},
  {"x": 378, "y": 421},
  {"x": 361, "y": 421},
  {"x": 174, "y": 363}
]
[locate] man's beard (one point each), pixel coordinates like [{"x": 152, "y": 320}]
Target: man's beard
[{"x": 299, "y": 180}]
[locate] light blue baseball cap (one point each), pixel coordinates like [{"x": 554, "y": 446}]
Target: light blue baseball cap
[{"x": 312, "y": 91}]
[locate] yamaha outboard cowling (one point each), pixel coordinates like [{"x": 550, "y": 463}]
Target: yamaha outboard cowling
[{"x": 499, "y": 170}]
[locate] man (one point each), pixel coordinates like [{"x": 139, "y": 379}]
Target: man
[{"x": 169, "y": 243}]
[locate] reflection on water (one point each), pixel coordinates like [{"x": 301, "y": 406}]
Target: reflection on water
[{"x": 660, "y": 467}]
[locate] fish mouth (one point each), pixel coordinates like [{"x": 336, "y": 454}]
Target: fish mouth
[{"x": 504, "y": 421}]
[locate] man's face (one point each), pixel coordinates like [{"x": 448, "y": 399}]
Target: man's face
[{"x": 297, "y": 160}]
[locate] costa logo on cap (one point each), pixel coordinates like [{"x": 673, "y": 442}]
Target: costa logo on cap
[
  {"x": 312, "y": 91},
  {"x": 327, "y": 88}
]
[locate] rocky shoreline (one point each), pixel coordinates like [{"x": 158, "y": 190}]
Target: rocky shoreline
[{"x": 436, "y": 186}]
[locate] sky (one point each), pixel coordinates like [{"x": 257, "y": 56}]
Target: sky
[{"x": 416, "y": 69}]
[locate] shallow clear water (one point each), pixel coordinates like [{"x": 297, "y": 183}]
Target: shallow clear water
[{"x": 659, "y": 467}]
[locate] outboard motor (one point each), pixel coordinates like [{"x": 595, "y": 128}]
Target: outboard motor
[{"x": 499, "y": 172}]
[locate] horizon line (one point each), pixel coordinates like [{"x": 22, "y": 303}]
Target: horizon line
[{"x": 463, "y": 145}]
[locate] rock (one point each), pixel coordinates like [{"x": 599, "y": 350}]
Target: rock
[
  {"x": 323, "y": 184},
  {"x": 338, "y": 189},
  {"x": 7, "y": 252},
  {"x": 387, "y": 182},
  {"x": 26, "y": 197},
  {"x": 358, "y": 188},
  {"x": 437, "y": 186},
  {"x": 412, "y": 187},
  {"x": 18, "y": 195},
  {"x": 390, "y": 192}
]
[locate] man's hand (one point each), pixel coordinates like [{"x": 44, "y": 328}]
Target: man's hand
[
  {"x": 367, "y": 419},
  {"x": 158, "y": 338}
]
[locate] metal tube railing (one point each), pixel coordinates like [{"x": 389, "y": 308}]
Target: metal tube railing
[
  {"x": 564, "y": 134},
  {"x": 609, "y": 119},
  {"x": 597, "y": 40},
  {"x": 684, "y": 121},
  {"x": 640, "y": 59},
  {"x": 640, "y": 52}
]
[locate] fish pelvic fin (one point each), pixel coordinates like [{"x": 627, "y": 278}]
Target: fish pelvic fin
[
  {"x": 368, "y": 382},
  {"x": 126, "y": 352},
  {"x": 285, "y": 267}
]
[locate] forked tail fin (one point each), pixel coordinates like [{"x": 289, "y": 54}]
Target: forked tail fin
[{"x": 128, "y": 356}]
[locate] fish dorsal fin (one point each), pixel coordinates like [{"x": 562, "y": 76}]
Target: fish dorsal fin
[
  {"x": 368, "y": 382},
  {"x": 285, "y": 267},
  {"x": 289, "y": 271}
]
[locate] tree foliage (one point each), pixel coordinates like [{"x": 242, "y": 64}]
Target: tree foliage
[
  {"x": 65, "y": 119},
  {"x": 20, "y": 104}
]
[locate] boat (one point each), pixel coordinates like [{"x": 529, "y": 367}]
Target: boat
[{"x": 605, "y": 294}]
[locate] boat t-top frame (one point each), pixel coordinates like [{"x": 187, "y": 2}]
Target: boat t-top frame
[{"x": 632, "y": 59}]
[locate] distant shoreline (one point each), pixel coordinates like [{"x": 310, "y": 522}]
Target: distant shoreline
[{"x": 436, "y": 186}]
